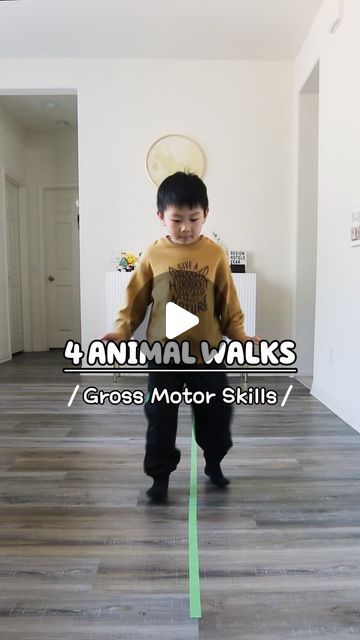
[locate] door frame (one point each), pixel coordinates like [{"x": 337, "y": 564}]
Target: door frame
[
  {"x": 8, "y": 176},
  {"x": 315, "y": 69},
  {"x": 43, "y": 186}
]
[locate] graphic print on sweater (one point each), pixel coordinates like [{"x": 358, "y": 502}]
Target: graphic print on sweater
[{"x": 188, "y": 286}]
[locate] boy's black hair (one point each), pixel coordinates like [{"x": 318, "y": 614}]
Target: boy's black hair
[{"x": 182, "y": 189}]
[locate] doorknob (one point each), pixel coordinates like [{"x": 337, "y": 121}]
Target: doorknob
[{"x": 51, "y": 278}]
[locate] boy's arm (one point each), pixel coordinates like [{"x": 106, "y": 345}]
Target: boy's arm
[
  {"x": 137, "y": 298},
  {"x": 228, "y": 307}
]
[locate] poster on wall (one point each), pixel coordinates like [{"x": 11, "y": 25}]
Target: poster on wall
[{"x": 355, "y": 227}]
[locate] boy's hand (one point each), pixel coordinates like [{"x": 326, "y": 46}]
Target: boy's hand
[
  {"x": 254, "y": 339},
  {"x": 110, "y": 336}
]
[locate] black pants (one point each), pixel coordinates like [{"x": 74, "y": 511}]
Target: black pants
[{"x": 212, "y": 421}]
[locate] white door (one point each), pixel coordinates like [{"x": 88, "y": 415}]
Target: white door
[
  {"x": 62, "y": 265},
  {"x": 14, "y": 267}
]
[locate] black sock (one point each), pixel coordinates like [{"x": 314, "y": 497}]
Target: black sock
[
  {"x": 213, "y": 470},
  {"x": 158, "y": 492}
]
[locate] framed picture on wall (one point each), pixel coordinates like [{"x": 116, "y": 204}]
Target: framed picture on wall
[
  {"x": 237, "y": 260},
  {"x": 355, "y": 227},
  {"x": 173, "y": 152}
]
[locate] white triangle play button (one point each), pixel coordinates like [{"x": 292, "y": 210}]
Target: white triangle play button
[{"x": 178, "y": 320}]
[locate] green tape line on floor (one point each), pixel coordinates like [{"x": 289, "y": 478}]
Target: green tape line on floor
[{"x": 194, "y": 577}]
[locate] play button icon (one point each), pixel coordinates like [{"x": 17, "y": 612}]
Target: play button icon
[{"x": 178, "y": 320}]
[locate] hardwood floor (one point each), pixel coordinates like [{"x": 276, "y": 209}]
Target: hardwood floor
[{"x": 84, "y": 556}]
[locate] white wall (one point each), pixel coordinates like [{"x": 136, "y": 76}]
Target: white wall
[
  {"x": 337, "y": 321},
  {"x": 241, "y": 113},
  {"x": 12, "y": 163}
]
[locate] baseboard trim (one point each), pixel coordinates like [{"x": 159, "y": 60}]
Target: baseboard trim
[
  {"x": 304, "y": 373},
  {"x": 351, "y": 418}
]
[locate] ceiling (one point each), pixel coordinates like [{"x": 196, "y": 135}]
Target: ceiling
[
  {"x": 180, "y": 29},
  {"x": 189, "y": 29},
  {"x": 32, "y": 114}
]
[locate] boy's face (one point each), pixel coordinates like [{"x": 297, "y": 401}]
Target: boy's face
[{"x": 183, "y": 224}]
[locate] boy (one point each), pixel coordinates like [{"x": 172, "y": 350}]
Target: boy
[{"x": 192, "y": 271}]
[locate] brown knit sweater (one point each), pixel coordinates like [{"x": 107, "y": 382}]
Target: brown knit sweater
[{"x": 196, "y": 277}]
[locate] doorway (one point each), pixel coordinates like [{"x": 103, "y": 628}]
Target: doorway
[
  {"x": 307, "y": 207},
  {"x": 39, "y": 165}
]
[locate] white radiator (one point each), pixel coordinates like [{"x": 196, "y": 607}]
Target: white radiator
[{"x": 245, "y": 284}]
